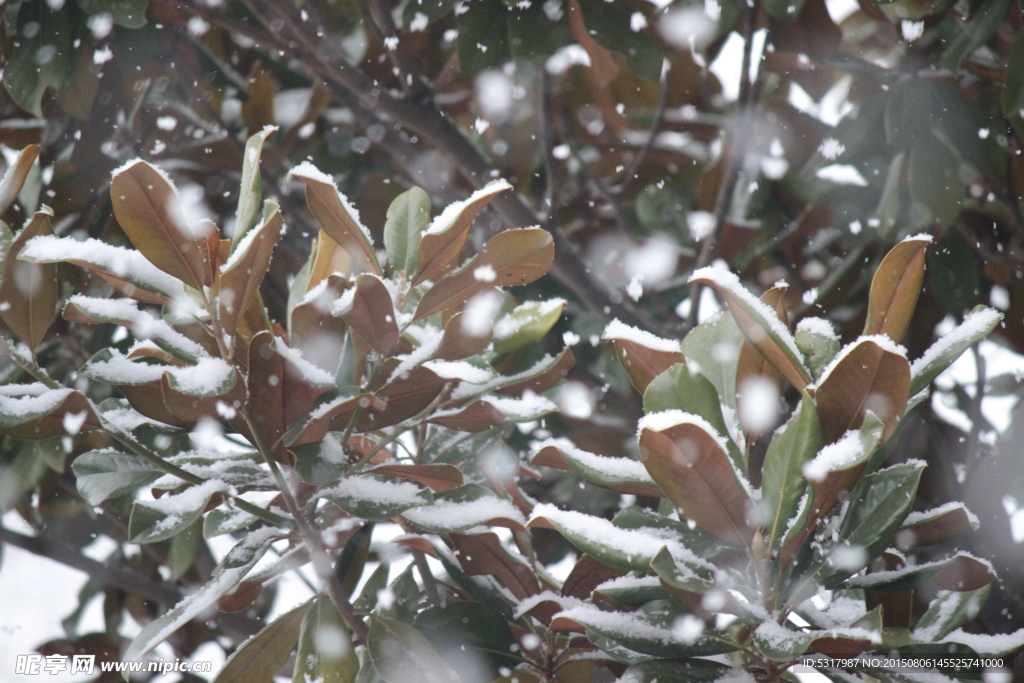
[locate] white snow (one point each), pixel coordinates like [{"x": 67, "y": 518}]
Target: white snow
[
  {"x": 728, "y": 281},
  {"x": 620, "y": 330},
  {"x": 623, "y": 468},
  {"x": 20, "y": 400},
  {"x": 629, "y": 624},
  {"x": 659, "y": 422},
  {"x": 526, "y": 313},
  {"x": 307, "y": 170},
  {"x": 444, "y": 516},
  {"x": 985, "y": 644},
  {"x": 373, "y": 490},
  {"x": 976, "y": 324},
  {"x": 836, "y": 456},
  {"x": 458, "y": 369},
  {"x": 309, "y": 371},
  {"x": 630, "y": 581},
  {"x": 175, "y": 506},
  {"x": 121, "y": 370},
  {"x": 818, "y": 326},
  {"x": 447, "y": 218},
  {"x": 917, "y": 517},
  {"x": 144, "y": 325},
  {"x": 529, "y": 407},
  {"x": 426, "y": 349},
  {"x": 127, "y": 264},
  {"x": 205, "y": 377}
]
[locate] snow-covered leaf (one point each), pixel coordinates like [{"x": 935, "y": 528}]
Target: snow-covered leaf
[
  {"x": 526, "y": 323},
  {"x": 949, "y": 610},
  {"x": 464, "y": 508},
  {"x": 369, "y": 311},
  {"x": 14, "y": 177},
  {"x": 976, "y": 326},
  {"x": 125, "y": 312},
  {"x": 642, "y": 355},
  {"x": 35, "y": 412},
  {"x": 251, "y": 190},
  {"x": 484, "y": 554},
  {"x": 963, "y": 572},
  {"x": 375, "y": 498},
  {"x": 156, "y": 520},
  {"x": 937, "y": 525},
  {"x": 242, "y": 273},
  {"x": 618, "y": 474}
]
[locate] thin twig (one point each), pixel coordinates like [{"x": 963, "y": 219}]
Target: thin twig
[{"x": 656, "y": 123}]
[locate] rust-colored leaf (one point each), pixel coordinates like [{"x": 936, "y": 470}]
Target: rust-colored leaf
[
  {"x": 332, "y": 415},
  {"x": 147, "y": 208},
  {"x": 692, "y": 467},
  {"x": 435, "y": 477},
  {"x": 543, "y": 379},
  {"x": 242, "y": 273},
  {"x": 336, "y": 216},
  {"x": 314, "y": 330},
  {"x": 29, "y": 291},
  {"x": 483, "y": 554},
  {"x": 148, "y": 399},
  {"x": 642, "y": 355},
  {"x": 457, "y": 343},
  {"x": 15, "y": 177},
  {"x": 404, "y": 397},
  {"x": 370, "y": 313},
  {"x": 441, "y": 245},
  {"x": 868, "y": 376},
  {"x": 242, "y": 598},
  {"x": 964, "y": 573},
  {"x": 75, "y": 405},
  {"x": 208, "y": 238},
  {"x": 752, "y": 364},
  {"x": 513, "y": 257},
  {"x": 587, "y": 575},
  {"x": 601, "y": 60},
  {"x": 258, "y": 108},
  {"x": 895, "y": 288},
  {"x": 477, "y": 417}
]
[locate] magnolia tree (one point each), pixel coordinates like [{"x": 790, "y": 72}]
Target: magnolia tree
[{"x": 388, "y": 394}]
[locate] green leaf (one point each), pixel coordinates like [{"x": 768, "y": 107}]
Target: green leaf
[
  {"x": 634, "y": 517},
  {"x": 973, "y": 35},
  {"x": 713, "y": 349},
  {"x": 183, "y": 550},
  {"x": 526, "y": 324},
  {"x": 782, "y": 482},
  {"x": 676, "y": 671},
  {"x": 127, "y": 13},
  {"x": 15, "y": 177},
  {"x": 377, "y": 498},
  {"x": 934, "y": 178},
  {"x": 250, "y": 192},
  {"x": 877, "y": 507},
  {"x": 679, "y": 388},
  {"x": 226, "y": 576},
  {"x": 976, "y": 326},
  {"x": 687, "y": 576},
  {"x": 400, "y": 654},
  {"x": 617, "y": 474},
  {"x": 159, "y": 519},
  {"x": 818, "y": 342},
  {"x": 367, "y": 599},
  {"x": 948, "y": 611},
  {"x": 352, "y": 559},
  {"x": 321, "y": 462},
  {"x": 226, "y": 520},
  {"x": 326, "y": 652},
  {"x": 407, "y": 220},
  {"x": 463, "y": 508},
  {"x": 43, "y": 54},
  {"x": 962, "y": 572},
  {"x": 609, "y": 23},
  {"x": 104, "y": 474},
  {"x": 471, "y": 636},
  {"x": 259, "y": 659},
  {"x": 649, "y": 630}
]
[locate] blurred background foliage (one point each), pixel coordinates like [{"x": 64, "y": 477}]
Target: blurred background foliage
[{"x": 792, "y": 139}]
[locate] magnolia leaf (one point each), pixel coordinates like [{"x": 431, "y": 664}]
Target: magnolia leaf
[
  {"x": 464, "y": 508},
  {"x": 676, "y": 671},
  {"x": 407, "y": 220},
  {"x": 836, "y": 468},
  {"x": 332, "y": 414},
  {"x": 689, "y": 460},
  {"x": 104, "y": 474},
  {"x": 493, "y": 411},
  {"x": 755, "y": 373},
  {"x": 649, "y": 630},
  {"x": 251, "y": 191},
  {"x": 586, "y": 575},
  {"x": 259, "y": 659},
  {"x": 16, "y": 174},
  {"x": 642, "y": 355},
  {"x": 126, "y": 270},
  {"x": 782, "y": 482},
  {"x": 404, "y": 394},
  {"x": 457, "y": 342},
  {"x": 441, "y": 245},
  {"x": 699, "y": 542},
  {"x": 895, "y": 288},
  {"x": 948, "y": 611},
  {"x": 870, "y": 374},
  {"x": 157, "y": 520},
  {"x": 759, "y": 324},
  {"x": 29, "y": 291},
  {"x": 484, "y": 554},
  {"x": 976, "y": 326},
  {"x": 819, "y": 343},
  {"x": 369, "y": 311},
  {"x": 400, "y": 654},
  {"x": 311, "y": 327},
  {"x": 226, "y": 520},
  {"x": 691, "y": 577},
  {"x": 513, "y": 257},
  {"x": 543, "y": 375},
  {"x": 326, "y": 652},
  {"x": 877, "y": 506},
  {"x": 375, "y": 498},
  {"x": 526, "y": 323},
  {"x": 226, "y": 576},
  {"x": 35, "y": 412},
  {"x": 617, "y": 474},
  {"x": 438, "y": 478},
  {"x": 43, "y": 54},
  {"x": 147, "y": 208},
  {"x": 939, "y": 525},
  {"x": 336, "y": 216},
  {"x": 242, "y": 273},
  {"x": 712, "y": 349},
  {"x": 961, "y": 573},
  {"x": 471, "y": 636},
  {"x": 783, "y": 644}
]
